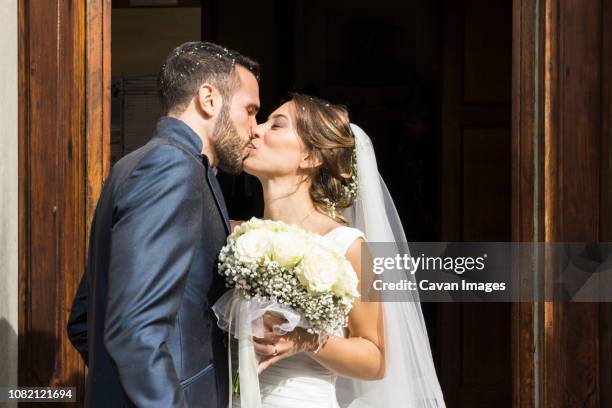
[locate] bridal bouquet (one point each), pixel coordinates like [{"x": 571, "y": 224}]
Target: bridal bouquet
[
  {"x": 278, "y": 268},
  {"x": 273, "y": 261}
]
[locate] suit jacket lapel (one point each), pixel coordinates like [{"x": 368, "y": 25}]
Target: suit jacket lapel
[{"x": 218, "y": 195}]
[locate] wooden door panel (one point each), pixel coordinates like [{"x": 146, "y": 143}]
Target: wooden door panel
[
  {"x": 487, "y": 62},
  {"x": 573, "y": 137},
  {"x": 483, "y": 366},
  {"x": 486, "y": 184},
  {"x": 475, "y": 347},
  {"x": 64, "y": 58}
]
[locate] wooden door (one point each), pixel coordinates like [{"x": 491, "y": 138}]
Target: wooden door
[
  {"x": 562, "y": 172},
  {"x": 64, "y": 118}
]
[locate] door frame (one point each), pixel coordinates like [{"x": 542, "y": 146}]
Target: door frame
[{"x": 527, "y": 188}]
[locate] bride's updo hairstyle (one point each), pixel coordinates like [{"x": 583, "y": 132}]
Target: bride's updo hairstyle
[{"x": 326, "y": 132}]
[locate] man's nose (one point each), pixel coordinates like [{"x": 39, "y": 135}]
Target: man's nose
[{"x": 255, "y": 132}]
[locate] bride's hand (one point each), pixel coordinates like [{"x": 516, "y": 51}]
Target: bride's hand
[{"x": 273, "y": 347}]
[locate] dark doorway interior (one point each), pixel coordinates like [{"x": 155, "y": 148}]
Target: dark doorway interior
[
  {"x": 430, "y": 82},
  {"x": 382, "y": 62}
]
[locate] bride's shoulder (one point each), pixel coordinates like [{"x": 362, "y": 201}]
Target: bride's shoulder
[
  {"x": 355, "y": 231},
  {"x": 346, "y": 237}
]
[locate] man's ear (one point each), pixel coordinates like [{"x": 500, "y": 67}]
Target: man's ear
[{"x": 208, "y": 100}]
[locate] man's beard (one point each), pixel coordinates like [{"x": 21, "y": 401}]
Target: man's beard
[{"x": 229, "y": 146}]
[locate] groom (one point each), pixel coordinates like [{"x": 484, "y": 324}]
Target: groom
[{"x": 141, "y": 317}]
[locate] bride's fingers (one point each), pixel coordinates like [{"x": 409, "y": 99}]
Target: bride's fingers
[
  {"x": 265, "y": 349},
  {"x": 270, "y": 320},
  {"x": 272, "y": 349},
  {"x": 267, "y": 362},
  {"x": 270, "y": 337}
]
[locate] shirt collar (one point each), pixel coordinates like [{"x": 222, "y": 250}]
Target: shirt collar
[{"x": 179, "y": 132}]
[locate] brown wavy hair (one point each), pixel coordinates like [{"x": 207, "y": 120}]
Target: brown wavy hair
[{"x": 326, "y": 132}]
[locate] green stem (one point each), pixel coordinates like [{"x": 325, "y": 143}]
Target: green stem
[{"x": 236, "y": 384}]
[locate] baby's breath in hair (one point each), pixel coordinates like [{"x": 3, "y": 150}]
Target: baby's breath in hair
[
  {"x": 350, "y": 189},
  {"x": 352, "y": 186},
  {"x": 330, "y": 207}
]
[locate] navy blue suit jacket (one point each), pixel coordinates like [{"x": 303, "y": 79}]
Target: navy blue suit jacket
[{"x": 141, "y": 318}]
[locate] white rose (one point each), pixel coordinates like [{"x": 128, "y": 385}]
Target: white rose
[
  {"x": 319, "y": 268},
  {"x": 253, "y": 223},
  {"x": 257, "y": 223},
  {"x": 274, "y": 226},
  {"x": 288, "y": 248},
  {"x": 347, "y": 282},
  {"x": 253, "y": 245}
]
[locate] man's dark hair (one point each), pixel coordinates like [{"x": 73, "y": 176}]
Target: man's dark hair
[{"x": 193, "y": 63}]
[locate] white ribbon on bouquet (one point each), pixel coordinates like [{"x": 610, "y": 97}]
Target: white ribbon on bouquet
[{"x": 243, "y": 318}]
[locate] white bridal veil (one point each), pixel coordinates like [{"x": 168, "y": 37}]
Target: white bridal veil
[{"x": 410, "y": 377}]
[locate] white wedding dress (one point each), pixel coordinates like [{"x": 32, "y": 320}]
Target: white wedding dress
[{"x": 300, "y": 381}]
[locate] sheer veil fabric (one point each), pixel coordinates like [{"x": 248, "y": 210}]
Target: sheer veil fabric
[{"x": 410, "y": 375}]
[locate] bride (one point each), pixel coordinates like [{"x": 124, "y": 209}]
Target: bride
[{"x": 319, "y": 173}]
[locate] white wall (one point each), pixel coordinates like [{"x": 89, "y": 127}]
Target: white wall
[{"x": 8, "y": 193}]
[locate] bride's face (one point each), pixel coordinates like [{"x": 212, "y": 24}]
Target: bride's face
[{"x": 276, "y": 149}]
